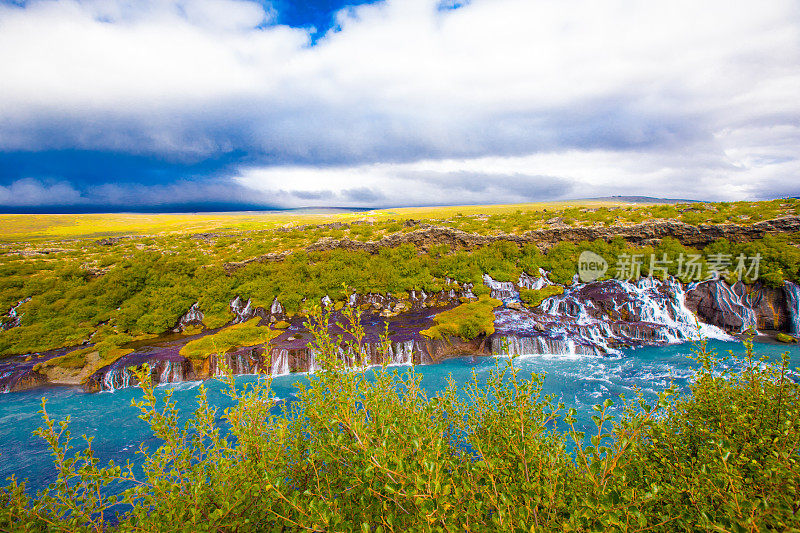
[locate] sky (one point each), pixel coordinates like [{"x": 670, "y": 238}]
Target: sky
[{"x": 169, "y": 105}]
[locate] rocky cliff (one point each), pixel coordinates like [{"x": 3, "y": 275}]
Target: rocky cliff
[{"x": 647, "y": 233}]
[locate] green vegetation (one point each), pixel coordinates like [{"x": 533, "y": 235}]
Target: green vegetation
[
  {"x": 467, "y": 320},
  {"x": 376, "y": 453},
  {"x": 192, "y": 330},
  {"x": 74, "y": 359},
  {"x": 237, "y": 336},
  {"x": 84, "y": 290},
  {"x": 534, "y": 297},
  {"x": 91, "y": 358}
]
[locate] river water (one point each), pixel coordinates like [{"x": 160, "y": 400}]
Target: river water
[{"x": 579, "y": 381}]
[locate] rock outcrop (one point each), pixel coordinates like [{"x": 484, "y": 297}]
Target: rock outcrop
[
  {"x": 12, "y": 318},
  {"x": 647, "y": 233},
  {"x": 739, "y": 307},
  {"x": 193, "y": 317}
]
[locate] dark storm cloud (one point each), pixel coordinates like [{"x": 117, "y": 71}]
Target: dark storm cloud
[
  {"x": 312, "y": 195},
  {"x": 524, "y": 186},
  {"x": 362, "y": 195}
]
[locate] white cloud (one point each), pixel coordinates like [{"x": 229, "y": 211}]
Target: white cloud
[
  {"x": 610, "y": 97},
  {"x": 733, "y": 175},
  {"x": 30, "y": 192}
]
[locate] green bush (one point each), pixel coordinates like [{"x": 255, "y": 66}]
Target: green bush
[
  {"x": 237, "y": 336},
  {"x": 534, "y": 297},
  {"x": 467, "y": 320}
]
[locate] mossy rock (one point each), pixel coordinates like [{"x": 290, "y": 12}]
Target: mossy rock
[
  {"x": 467, "y": 321},
  {"x": 237, "y": 336},
  {"x": 783, "y": 337},
  {"x": 282, "y": 324},
  {"x": 193, "y": 329},
  {"x": 534, "y": 297}
]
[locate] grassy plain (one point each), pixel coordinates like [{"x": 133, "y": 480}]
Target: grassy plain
[
  {"x": 510, "y": 218},
  {"x": 94, "y": 225}
]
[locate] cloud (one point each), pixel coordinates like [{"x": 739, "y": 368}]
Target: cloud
[
  {"x": 29, "y": 192},
  {"x": 489, "y": 99}
]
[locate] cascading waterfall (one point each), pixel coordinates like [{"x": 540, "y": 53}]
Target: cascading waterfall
[
  {"x": 517, "y": 345},
  {"x": 276, "y": 308},
  {"x": 529, "y": 282},
  {"x": 793, "y": 300},
  {"x": 663, "y": 303},
  {"x": 166, "y": 374},
  {"x": 242, "y": 311},
  {"x": 13, "y": 316},
  {"x": 280, "y": 363},
  {"x": 502, "y": 290},
  {"x": 117, "y": 377},
  {"x": 734, "y": 304},
  {"x": 597, "y": 318},
  {"x": 312, "y": 360},
  {"x": 402, "y": 352}
]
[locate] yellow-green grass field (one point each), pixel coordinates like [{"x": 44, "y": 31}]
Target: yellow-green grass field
[{"x": 26, "y": 227}]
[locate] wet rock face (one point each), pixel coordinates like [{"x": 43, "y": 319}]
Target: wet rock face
[
  {"x": 599, "y": 318},
  {"x": 21, "y": 381},
  {"x": 12, "y": 318},
  {"x": 770, "y": 305},
  {"x": 738, "y": 307},
  {"x": 192, "y": 317},
  {"x": 792, "y": 293}
]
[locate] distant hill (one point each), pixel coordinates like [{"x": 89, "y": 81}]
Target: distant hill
[{"x": 641, "y": 200}]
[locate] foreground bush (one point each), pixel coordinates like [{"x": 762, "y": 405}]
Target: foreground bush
[{"x": 372, "y": 452}]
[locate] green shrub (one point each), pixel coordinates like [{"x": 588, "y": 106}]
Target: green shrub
[
  {"x": 467, "y": 320},
  {"x": 534, "y": 297},
  {"x": 237, "y": 336}
]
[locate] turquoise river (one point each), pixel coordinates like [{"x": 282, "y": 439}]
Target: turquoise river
[{"x": 579, "y": 381}]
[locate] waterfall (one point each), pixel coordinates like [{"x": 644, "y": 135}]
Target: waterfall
[
  {"x": 663, "y": 303},
  {"x": 242, "y": 311},
  {"x": 601, "y": 317},
  {"x": 529, "y": 282},
  {"x": 276, "y": 308},
  {"x": 280, "y": 363},
  {"x": 116, "y": 377},
  {"x": 312, "y": 361},
  {"x": 192, "y": 316},
  {"x": 502, "y": 290},
  {"x": 736, "y": 305},
  {"x": 793, "y": 303},
  {"x": 166, "y": 374},
  {"x": 517, "y": 345},
  {"x": 402, "y": 352},
  {"x": 13, "y": 315}
]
